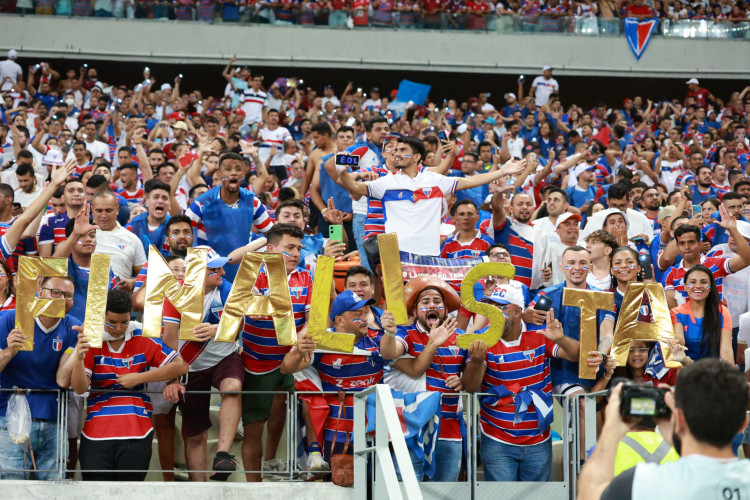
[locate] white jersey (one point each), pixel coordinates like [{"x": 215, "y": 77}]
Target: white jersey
[
  {"x": 252, "y": 104},
  {"x": 278, "y": 137},
  {"x": 544, "y": 88}
]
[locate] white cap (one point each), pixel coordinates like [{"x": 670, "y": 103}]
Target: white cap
[
  {"x": 582, "y": 168},
  {"x": 462, "y": 128},
  {"x": 510, "y": 94},
  {"x": 744, "y": 228},
  {"x": 12, "y": 54},
  {"x": 506, "y": 294},
  {"x": 98, "y": 85},
  {"x": 547, "y": 68},
  {"x": 692, "y": 80},
  {"x": 166, "y": 86},
  {"x": 53, "y": 157},
  {"x": 565, "y": 216},
  {"x": 605, "y": 214}
]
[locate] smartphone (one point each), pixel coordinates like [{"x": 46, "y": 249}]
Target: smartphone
[
  {"x": 697, "y": 210},
  {"x": 645, "y": 260},
  {"x": 443, "y": 136},
  {"x": 347, "y": 160},
  {"x": 351, "y": 121},
  {"x": 543, "y": 304},
  {"x": 335, "y": 233}
]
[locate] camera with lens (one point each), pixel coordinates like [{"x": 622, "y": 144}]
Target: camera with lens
[{"x": 641, "y": 400}]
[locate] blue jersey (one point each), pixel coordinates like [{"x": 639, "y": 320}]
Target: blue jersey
[
  {"x": 564, "y": 371},
  {"x": 158, "y": 237},
  {"x": 37, "y": 369}
]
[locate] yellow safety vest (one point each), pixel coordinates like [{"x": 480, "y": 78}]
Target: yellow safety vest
[{"x": 639, "y": 447}]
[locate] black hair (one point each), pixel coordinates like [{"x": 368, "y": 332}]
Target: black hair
[
  {"x": 711, "y": 328},
  {"x": 465, "y": 201},
  {"x": 7, "y": 191},
  {"x": 370, "y": 124},
  {"x": 354, "y": 270},
  {"x": 618, "y": 191},
  {"x": 24, "y": 169},
  {"x": 231, "y": 156},
  {"x": 286, "y": 194},
  {"x": 483, "y": 144},
  {"x": 130, "y": 166},
  {"x": 154, "y": 184},
  {"x": 191, "y": 193},
  {"x": 118, "y": 301},
  {"x": 574, "y": 248},
  {"x": 558, "y": 191},
  {"x": 172, "y": 257},
  {"x": 322, "y": 128},
  {"x": 274, "y": 235},
  {"x": 685, "y": 229},
  {"x": 344, "y": 129},
  {"x": 292, "y": 203},
  {"x": 176, "y": 219},
  {"x": 713, "y": 396},
  {"x": 416, "y": 145},
  {"x": 731, "y": 195},
  {"x": 167, "y": 164},
  {"x": 633, "y": 252},
  {"x": 96, "y": 181},
  {"x": 738, "y": 184},
  {"x": 496, "y": 245}
]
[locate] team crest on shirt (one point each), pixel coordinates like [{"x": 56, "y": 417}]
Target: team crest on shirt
[
  {"x": 337, "y": 364},
  {"x": 57, "y": 344},
  {"x": 127, "y": 362},
  {"x": 529, "y": 355},
  {"x": 297, "y": 291},
  {"x": 122, "y": 246}
]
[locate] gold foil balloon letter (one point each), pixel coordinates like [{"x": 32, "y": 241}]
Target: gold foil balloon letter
[
  {"x": 186, "y": 298},
  {"x": 96, "y": 299},
  {"x": 28, "y": 305},
  {"x": 589, "y": 302},
  {"x": 393, "y": 279},
  {"x": 495, "y": 315},
  {"x": 243, "y": 302},
  {"x": 319, "y": 308},
  {"x": 644, "y": 316}
]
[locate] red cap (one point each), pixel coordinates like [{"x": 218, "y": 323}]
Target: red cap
[
  {"x": 240, "y": 112},
  {"x": 174, "y": 116}
]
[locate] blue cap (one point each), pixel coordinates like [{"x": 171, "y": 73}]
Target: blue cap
[
  {"x": 348, "y": 301},
  {"x": 490, "y": 120},
  {"x": 214, "y": 259}
]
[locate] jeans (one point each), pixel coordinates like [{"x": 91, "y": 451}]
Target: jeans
[
  {"x": 358, "y": 229},
  {"x": 337, "y": 18},
  {"x": 43, "y": 438},
  {"x": 448, "y": 456},
  {"x": 102, "y": 13},
  {"x": 505, "y": 462}
]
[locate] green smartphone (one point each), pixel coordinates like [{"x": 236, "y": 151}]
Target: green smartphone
[{"x": 335, "y": 233}]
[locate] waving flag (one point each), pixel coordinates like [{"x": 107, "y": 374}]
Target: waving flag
[
  {"x": 638, "y": 33},
  {"x": 419, "y": 413}
]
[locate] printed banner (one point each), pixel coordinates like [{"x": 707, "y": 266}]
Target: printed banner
[{"x": 452, "y": 271}]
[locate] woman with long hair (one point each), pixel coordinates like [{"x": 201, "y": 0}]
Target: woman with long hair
[
  {"x": 7, "y": 288},
  {"x": 702, "y": 324}
]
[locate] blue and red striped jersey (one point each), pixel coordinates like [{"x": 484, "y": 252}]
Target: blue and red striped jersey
[
  {"x": 127, "y": 415},
  {"x": 454, "y": 249},
  {"x": 53, "y": 229},
  {"x": 521, "y": 250},
  {"x": 449, "y": 360},
  {"x": 349, "y": 373},
  {"x": 375, "y": 221},
  {"x": 519, "y": 364},
  {"x": 261, "y": 351},
  {"x": 674, "y": 278}
]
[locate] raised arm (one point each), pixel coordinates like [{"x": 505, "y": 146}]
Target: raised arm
[{"x": 510, "y": 168}]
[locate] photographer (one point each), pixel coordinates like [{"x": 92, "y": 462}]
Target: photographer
[{"x": 708, "y": 408}]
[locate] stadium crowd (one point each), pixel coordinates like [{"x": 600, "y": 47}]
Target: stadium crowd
[
  {"x": 573, "y": 197},
  {"x": 584, "y": 17}
]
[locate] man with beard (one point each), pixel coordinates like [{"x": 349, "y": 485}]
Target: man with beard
[
  {"x": 225, "y": 215},
  {"x": 651, "y": 203},
  {"x": 417, "y": 195},
  {"x": 151, "y": 227},
  {"x": 708, "y": 408},
  {"x": 557, "y": 204},
  {"x": 517, "y": 451},
  {"x": 431, "y": 341},
  {"x": 704, "y": 189},
  {"x": 467, "y": 242},
  {"x": 733, "y": 203}
]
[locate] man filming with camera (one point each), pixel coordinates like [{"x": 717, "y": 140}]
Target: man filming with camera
[{"x": 704, "y": 412}]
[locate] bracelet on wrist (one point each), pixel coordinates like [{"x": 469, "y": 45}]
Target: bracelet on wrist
[
  {"x": 606, "y": 377},
  {"x": 390, "y": 334}
]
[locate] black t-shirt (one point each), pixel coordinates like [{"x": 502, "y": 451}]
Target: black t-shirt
[{"x": 621, "y": 487}]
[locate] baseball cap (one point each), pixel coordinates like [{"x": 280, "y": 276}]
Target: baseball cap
[
  {"x": 374, "y": 90},
  {"x": 582, "y": 168},
  {"x": 98, "y": 85},
  {"x": 612, "y": 211},
  {"x": 547, "y": 68},
  {"x": 166, "y": 86},
  {"x": 12, "y": 54},
  {"x": 692, "y": 80},
  {"x": 490, "y": 120},
  {"x": 510, "y": 94},
  {"x": 744, "y": 228},
  {"x": 506, "y": 294},
  {"x": 665, "y": 213},
  {"x": 174, "y": 116},
  {"x": 348, "y": 301},
  {"x": 565, "y": 216},
  {"x": 462, "y": 128},
  {"x": 328, "y": 87},
  {"x": 53, "y": 157},
  {"x": 180, "y": 125},
  {"x": 214, "y": 259}
]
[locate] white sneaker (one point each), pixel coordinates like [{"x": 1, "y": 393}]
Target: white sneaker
[
  {"x": 240, "y": 434},
  {"x": 315, "y": 463},
  {"x": 274, "y": 465}
]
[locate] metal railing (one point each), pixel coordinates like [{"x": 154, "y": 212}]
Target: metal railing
[
  {"x": 373, "y": 460},
  {"x": 545, "y": 22}
]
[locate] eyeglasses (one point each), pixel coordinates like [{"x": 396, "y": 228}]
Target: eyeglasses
[
  {"x": 57, "y": 293},
  {"x": 500, "y": 255},
  {"x": 640, "y": 350}
]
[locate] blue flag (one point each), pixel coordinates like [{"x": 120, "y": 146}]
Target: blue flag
[
  {"x": 411, "y": 91},
  {"x": 419, "y": 413},
  {"x": 638, "y": 33}
]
